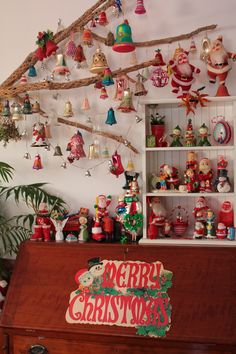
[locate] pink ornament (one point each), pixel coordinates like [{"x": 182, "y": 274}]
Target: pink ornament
[
  {"x": 37, "y": 163},
  {"x": 76, "y": 147},
  {"x": 140, "y": 9},
  {"x": 159, "y": 77}
]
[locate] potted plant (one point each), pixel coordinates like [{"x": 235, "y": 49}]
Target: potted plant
[{"x": 158, "y": 128}]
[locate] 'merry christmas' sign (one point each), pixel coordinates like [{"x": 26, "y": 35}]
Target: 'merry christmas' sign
[{"x": 128, "y": 294}]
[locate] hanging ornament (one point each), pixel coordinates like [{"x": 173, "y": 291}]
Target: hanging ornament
[
  {"x": 68, "y": 111},
  {"x": 23, "y": 80},
  {"x": 64, "y": 165},
  {"x": 116, "y": 167},
  {"x": 123, "y": 42},
  {"x": 107, "y": 78},
  {"x": 70, "y": 47},
  {"x": 46, "y": 45},
  {"x": 88, "y": 174},
  {"x": 47, "y": 129},
  {"x": 103, "y": 94},
  {"x": 27, "y": 156},
  {"x": 140, "y": 9},
  {"x": 159, "y": 59},
  {"x": 47, "y": 147},
  {"x": 16, "y": 112},
  {"x": 159, "y": 77},
  {"x": 61, "y": 66},
  {"x": 111, "y": 119},
  {"x": 102, "y": 19},
  {"x": 193, "y": 47},
  {"x": 92, "y": 152},
  {"x": 99, "y": 63},
  {"x": 27, "y": 107},
  {"x": 126, "y": 105},
  {"x": 93, "y": 23},
  {"x": 133, "y": 58},
  {"x": 85, "y": 104},
  {"x": 87, "y": 37},
  {"x": 32, "y": 71},
  {"x": 145, "y": 74},
  {"x": 117, "y": 8},
  {"x": 76, "y": 147},
  {"x": 6, "y": 112},
  {"x": 105, "y": 153},
  {"x": 60, "y": 26},
  {"x": 36, "y": 107},
  {"x": 205, "y": 49},
  {"x": 57, "y": 151},
  {"x": 138, "y": 119},
  {"x": 139, "y": 87},
  {"x": 37, "y": 163},
  {"x": 79, "y": 56},
  {"x": 98, "y": 85},
  {"x": 130, "y": 166},
  {"x": 121, "y": 85},
  {"x": 39, "y": 138}
]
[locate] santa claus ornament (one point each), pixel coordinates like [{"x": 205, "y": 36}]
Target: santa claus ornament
[
  {"x": 75, "y": 147},
  {"x": 183, "y": 73},
  {"x": 218, "y": 65}
]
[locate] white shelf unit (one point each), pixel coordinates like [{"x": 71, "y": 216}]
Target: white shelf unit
[{"x": 154, "y": 157}]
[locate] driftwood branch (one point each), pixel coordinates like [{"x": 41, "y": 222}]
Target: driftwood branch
[
  {"x": 117, "y": 138},
  {"x": 58, "y": 37}
]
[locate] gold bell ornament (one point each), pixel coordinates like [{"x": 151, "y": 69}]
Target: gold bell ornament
[
  {"x": 205, "y": 50},
  {"x": 47, "y": 129},
  {"x": 16, "y": 111},
  {"x": 99, "y": 63},
  {"x": 61, "y": 67},
  {"x": 93, "y": 154},
  {"x": 35, "y": 107},
  {"x": 139, "y": 87},
  {"x": 126, "y": 105},
  {"x": 68, "y": 111},
  {"x": 85, "y": 104},
  {"x": 121, "y": 85},
  {"x": 130, "y": 166}
]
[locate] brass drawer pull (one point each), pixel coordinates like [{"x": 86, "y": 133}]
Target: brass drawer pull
[{"x": 37, "y": 349}]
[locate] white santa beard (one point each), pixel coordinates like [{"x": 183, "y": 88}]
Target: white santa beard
[
  {"x": 219, "y": 56},
  {"x": 184, "y": 69},
  {"x": 158, "y": 209}
]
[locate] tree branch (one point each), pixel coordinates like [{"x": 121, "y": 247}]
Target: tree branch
[{"x": 117, "y": 138}]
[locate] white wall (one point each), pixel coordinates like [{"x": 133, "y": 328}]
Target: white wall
[{"x": 20, "y": 22}]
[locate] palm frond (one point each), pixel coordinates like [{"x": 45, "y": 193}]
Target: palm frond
[{"x": 6, "y": 172}]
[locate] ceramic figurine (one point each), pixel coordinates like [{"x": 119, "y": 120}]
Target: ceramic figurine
[
  {"x": 200, "y": 210},
  {"x": 170, "y": 175},
  {"x": 108, "y": 228},
  {"x": 203, "y": 135},
  {"x": 167, "y": 228},
  {"x": 189, "y": 138},
  {"x": 191, "y": 181},
  {"x": 210, "y": 224},
  {"x": 157, "y": 218},
  {"x": 226, "y": 214},
  {"x": 222, "y": 184},
  {"x": 221, "y": 231},
  {"x": 102, "y": 203},
  {"x": 59, "y": 226},
  {"x": 205, "y": 175},
  {"x": 192, "y": 161},
  {"x": 199, "y": 230},
  {"x": 83, "y": 234},
  {"x": 176, "y": 135}
]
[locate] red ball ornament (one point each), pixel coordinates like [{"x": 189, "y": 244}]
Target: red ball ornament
[{"x": 159, "y": 77}]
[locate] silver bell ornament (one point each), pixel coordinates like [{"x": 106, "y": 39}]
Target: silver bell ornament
[
  {"x": 64, "y": 165},
  {"x": 27, "y": 156},
  {"x": 57, "y": 151},
  {"x": 88, "y": 174},
  {"x": 16, "y": 111}
]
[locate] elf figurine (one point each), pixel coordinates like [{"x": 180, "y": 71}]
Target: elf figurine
[
  {"x": 176, "y": 135},
  {"x": 203, "y": 135},
  {"x": 205, "y": 175},
  {"x": 191, "y": 181}
]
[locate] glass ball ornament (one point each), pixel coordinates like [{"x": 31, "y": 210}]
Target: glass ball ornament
[{"x": 159, "y": 77}]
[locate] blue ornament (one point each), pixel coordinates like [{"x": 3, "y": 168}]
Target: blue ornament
[
  {"x": 32, "y": 71},
  {"x": 111, "y": 119}
]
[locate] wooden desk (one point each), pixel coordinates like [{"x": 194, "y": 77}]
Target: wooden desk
[{"x": 203, "y": 298}]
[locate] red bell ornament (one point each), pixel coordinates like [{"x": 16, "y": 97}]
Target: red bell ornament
[
  {"x": 103, "y": 94},
  {"x": 40, "y": 53},
  {"x": 116, "y": 166},
  {"x": 70, "y": 47},
  {"x": 37, "y": 163},
  {"x": 140, "y": 9},
  {"x": 79, "y": 54},
  {"x": 159, "y": 59},
  {"x": 87, "y": 37},
  {"x": 102, "y": 19},
  {"x": 51, "y": 48}
]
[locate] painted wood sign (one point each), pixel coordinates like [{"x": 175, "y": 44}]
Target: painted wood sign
[{"x": 128, "y": 294}]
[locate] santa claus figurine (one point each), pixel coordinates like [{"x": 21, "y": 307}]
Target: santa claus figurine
[
  {"x": 226, "y": 214},
  {"x": 157, "y": 218},
  {"x": 218, "y": 65},
  {"x": 200, "y": 210},
  {"x": 199, "y": 230},
  {"x": 183, "y": 71},
  {"x": 205, "y": 175}
]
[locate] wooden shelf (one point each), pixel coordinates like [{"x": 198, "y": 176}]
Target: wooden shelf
[
  {"x": 188, "y": 242},
  {"x": 185, "y": 194},
  {"x": 192, "y": 148}
]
